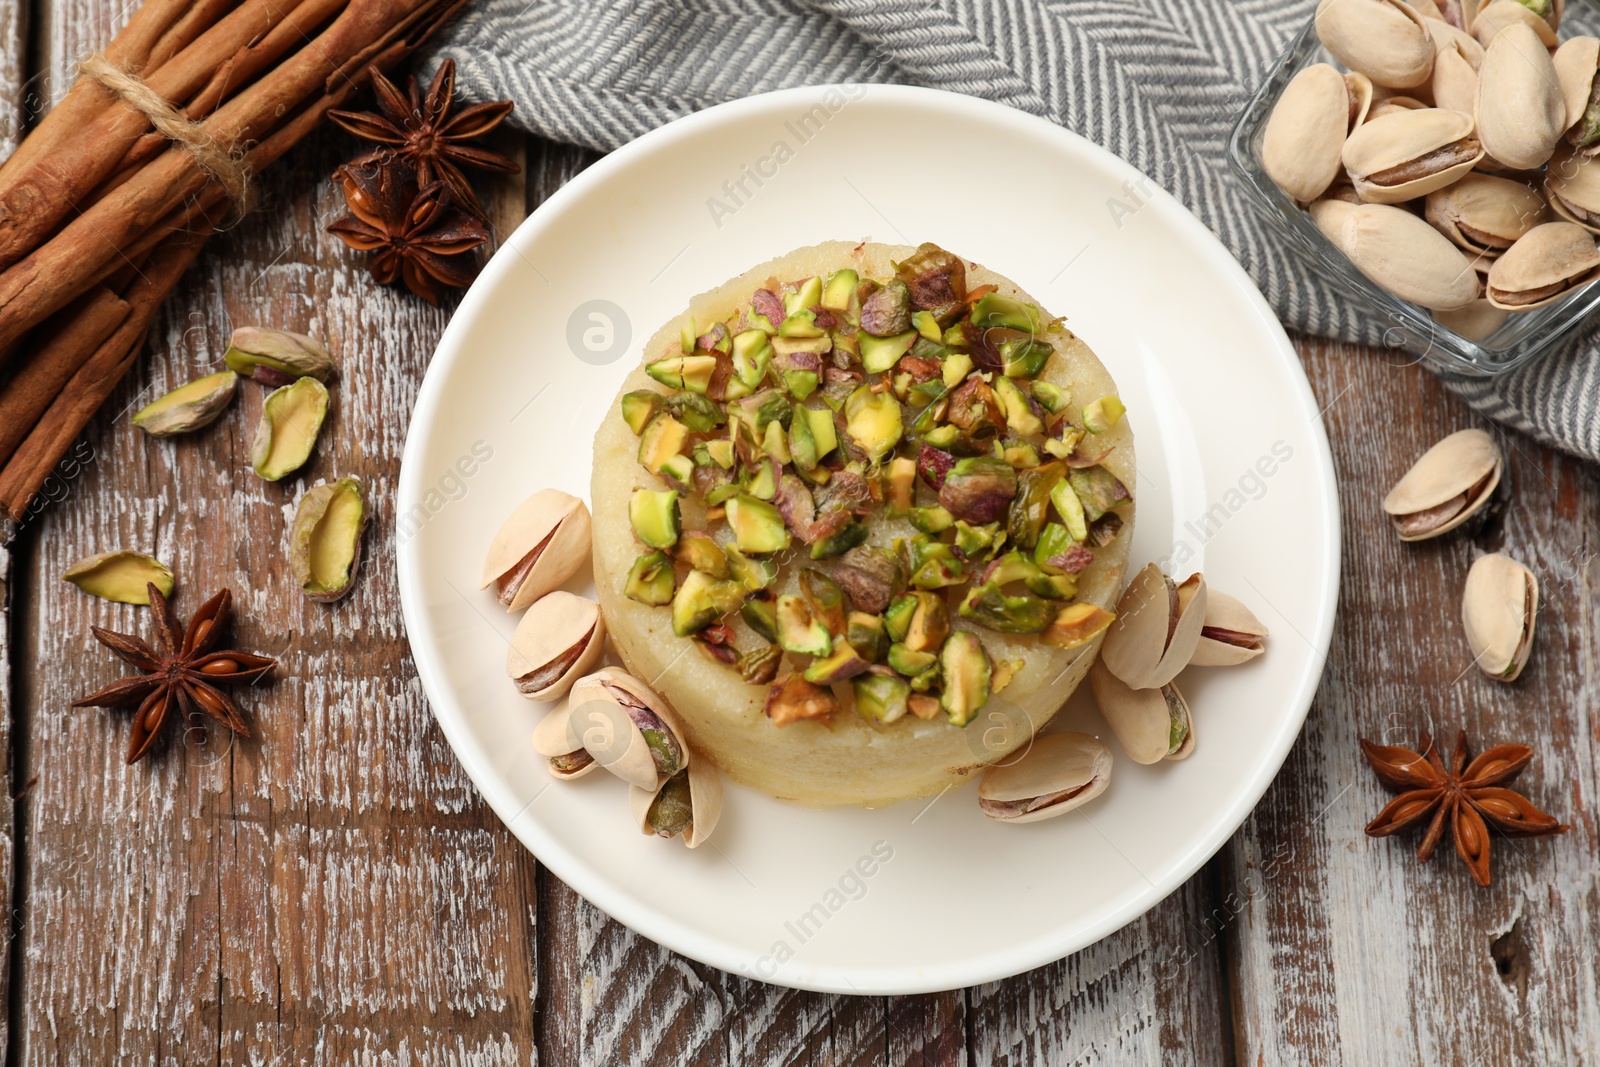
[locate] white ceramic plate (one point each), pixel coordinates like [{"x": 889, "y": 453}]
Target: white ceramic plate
[{"x": 1234, "y": 476}]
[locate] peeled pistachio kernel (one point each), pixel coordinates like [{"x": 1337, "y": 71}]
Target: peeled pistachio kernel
[
  {"x": 1448, "y": 485},
  {"x": 291, "y": 419},
  {"x": 122, "y": 576},
  {"x": 277, "y": 357},
  {"x": 1059, "y": 772},
  {"x": 1400, "y": 252},
  {"x": 1407, "y": 154},
  {"x": 325, "y": 540},
  {"x": 1484, "y": 214},
  {"x": 537, "y": 548},
  {"x": 1545, "y": 264},
  {"x": 559, "y": 638},
  {"x": 1521, "y": 112},
  {"x": 188, "y": 407},
  {"x": 1499, "y": 607},
  {"x": 1152, "y": 725},
  {"x": 1300, "y": 146},
  {"x": 1384, "y": 39}
]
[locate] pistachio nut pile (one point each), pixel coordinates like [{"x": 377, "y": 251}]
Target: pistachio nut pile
[
  {"x": 1163, "y": 626},
  {"x": 829, "y": 403},
  {"x": 1455, "y": 488},
  {"x": 609, "y": 719},
  {"x": 1453, "y": 161}
]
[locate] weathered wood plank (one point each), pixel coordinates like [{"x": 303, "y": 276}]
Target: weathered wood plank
[
  {"x": 1350, "y": 952},
  {"x": 332, "y": 890}
]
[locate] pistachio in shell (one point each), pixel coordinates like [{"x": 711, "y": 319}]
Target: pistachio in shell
[
  {"x": 1231, "y": 635},
  {"x": 325, "y": 540},
  {"x": 1399, "y": 252},
  {"x": 628, "y": 728},
  {"x": 1059, "y": 772},
  {"x": 1576, "y": 62},
  {"x": 1544, "y": 265},
  {"x": 1483, "y": 214},
  {"x": 1384, "y": 39},
  {"x": 1498, "y": 609},
  {"x": 1410, "y": 153},
  {"x": 1389, "y": 105},
  {"x": 559, "y": 638},
  {"x": 291, "y": 419},
  {"x": 188, "y": 407},
  {"x": 1476, "y": 321},
  {"x": 687, "y": 805},
  {"x": 1572, "y": 183},
  {"x": 1521, "y": 113},
  {"x": 556, "y": 740},
  {"x": 1301, "y": 144},
  {"x": 1156, "y": 629},
  {"x": 1152, "y": 725},
  {"x": 1452, "y": 483},
  {"x": 1539, "y": 17},
  {"x": 122, "y": 575},
  {"x": 277, "y": 357},
  {"x": 1456, "y": 60},
  {"x": 540, "y": 546}
]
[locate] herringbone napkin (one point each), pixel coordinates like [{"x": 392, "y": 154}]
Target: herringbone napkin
[{"x": 1158, "y": 82}]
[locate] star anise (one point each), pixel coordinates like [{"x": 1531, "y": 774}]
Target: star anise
[
  {"x": 415, "y": 235},
  {"x": 1470, "y": 796},
  {"x": 421, "y": 131},
  {"x": 184, "y": 669}
]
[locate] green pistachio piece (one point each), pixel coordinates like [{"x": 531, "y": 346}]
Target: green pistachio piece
[
  {"x": 807, "y": 294},
  {"x": 887, "y": 311},
  {"x": 697, "y": 412},
  {"x": 910, "y": 662},
  {"x": 928, "y": 326},
  {"x": 929, "y": 624},
  {"x": 942, "y": 436},
  {"x": 931, "y": 520},
  {"x": 1053, "y": 541},
  {"x": 760, "y": 665},
  {"x": 1098, "y": 489},
  {"x": 878, "y": 354},
  {"x": 684, "y": 372},
  {"x": 823, "y": 431},
  {"x": 1019, "y": 417},
  {"x": 639, "y": 407},
  {"x": 663, "y": 438},
  {"x": 839, "y": 665},
  {"x": 897, "y": 617},
  {"x": 678, "y": 470},
  {"x": 291, "y": 419},
  {"x": 654, "y": 516},
  {"x": 825, "y": 598},
  {"x": 799, "y": 631},
  {"x": 1070, "y": 508},
  {"x": 1053, "y": 586},
  {"x": 801, "y": 323},
  {"x": 880, "y": 698},
  {"x": 1050, "y": 397},
  {"x": 122, "y": 576},
  {"x": 992, "y": 609},
  {"x": 840, "y": 541},
  {"x": 873, "y": 421},
  {"x": 188, "y": 407},
  {"x": 754, "y": 573},
  {"x": 721, "y": 453},
  {"x": 972, "y": 540},
  {"x": 866, "y": 635},
  {"x": 757, "y": 525},
  {"x": 702, "y": 553},
  {"x": 996, "y": 310},
  {"x": 1024, "y": 357},
  {"x": 839, "y": 289},
  {"x": 700, "y": 599},
  {"x": 932, "y": 564},
  {"x": 967, "y": 670},
  {"x": 760, "y": 410},
  {"x": 802, "y": 446},
  {"x": 277, "y": 357},
  {"x": 1031, "y": 506},
  {"x": 1076, "y": 624},
  {"x": 752, "y": 352},
  {"x": 651, "y": 579},
  {"x": 1103, "y": 414},
  {"x": 979, "y": 489},
  {"x": 760, "y": 613},
  {"x": 1020, "y": 455},
  {"x": 901, "y": 485},
  {"x": 1011, "y": 567},
  {"x": 956, "y": 367},
  {"x": 325, "y": 540}
]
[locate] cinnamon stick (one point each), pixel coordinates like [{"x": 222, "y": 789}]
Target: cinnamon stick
[{"x": 84, "y": 326}]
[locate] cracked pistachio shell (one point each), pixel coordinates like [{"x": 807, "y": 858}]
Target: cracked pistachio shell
[
  {"x": 700, "y": 785},
  {"x": 325, "y": 540},
  {"x": 538, "y": 548},
  {"x": 1400, "y": 252},
  {"x": 188, "y": 407},
  {"x": 1410, "y": 153},
  {"x": 1576, "y": 62},
  {"x": 122, "y": 576},
  {"x": 1383, "y": 39},
  {"x": 1300, "y": 146},
  {"x": 1456, "y": 59},
  {"x": 556, "y": 740},
  {"x": 1521, "y": 113},
  {"x": 1573, "y": 185},
  {"x": 1484, "y": 214},
  {"x": 291, "y": 419},
  {"x": 1232, "y": 634},
  {"x": 628, "y": 728},
  {"x": 1498, "y": 609},
  {"x": 1057, "y": 773},
  {"x": 1476, "y": 321},
  {"x": 558, "y": 640},
  {"x": 1496, "y": 17},
  {"x": 1546, "y": 263},
  {"x": 1157, "y": 626},
  {"x": 277, "y": 357},
  {"x": 1450, "y": 483},
  {"x": 1143, "y": 719}
]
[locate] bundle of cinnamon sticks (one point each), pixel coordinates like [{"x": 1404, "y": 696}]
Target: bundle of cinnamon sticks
[{"x": 101, "y": 213}]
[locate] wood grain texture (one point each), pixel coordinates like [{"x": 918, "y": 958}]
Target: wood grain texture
[{"x": 1351, "y": 952}]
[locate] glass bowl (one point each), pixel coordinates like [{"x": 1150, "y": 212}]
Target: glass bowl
[{"x": 1523, "y": 336}]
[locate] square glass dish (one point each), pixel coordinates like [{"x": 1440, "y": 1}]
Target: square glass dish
[{"x": 1522, "y": 337}]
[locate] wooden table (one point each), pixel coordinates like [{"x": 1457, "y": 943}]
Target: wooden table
[{"x": 334, "y": 891}]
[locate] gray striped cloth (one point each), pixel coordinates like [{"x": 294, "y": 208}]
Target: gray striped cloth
[{"x": 1158, "y": 82}]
